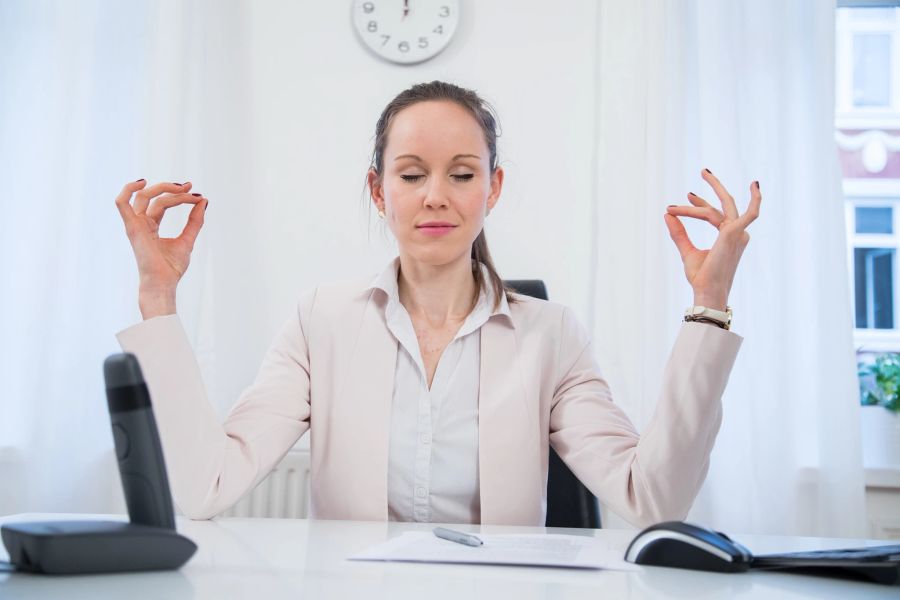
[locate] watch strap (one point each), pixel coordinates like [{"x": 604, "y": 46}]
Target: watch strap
[{"x": 706, "y": 314}]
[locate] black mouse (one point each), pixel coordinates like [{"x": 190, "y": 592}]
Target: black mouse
[{"x": 686, "y": 546}]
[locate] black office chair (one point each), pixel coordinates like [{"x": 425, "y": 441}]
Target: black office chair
[{"x": 569, "y": 502}]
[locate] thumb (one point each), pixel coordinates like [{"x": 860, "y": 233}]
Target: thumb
[
  {"x": 194, "y": 223},
  {"x": 679, "y": 235}
]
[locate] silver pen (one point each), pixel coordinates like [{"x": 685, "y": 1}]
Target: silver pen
[{"x": 457, "y": 536}]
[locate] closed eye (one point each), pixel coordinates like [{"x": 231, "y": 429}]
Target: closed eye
[{"x": 415, "y": 178}]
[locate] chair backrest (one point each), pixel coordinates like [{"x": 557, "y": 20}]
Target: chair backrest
[{"x": 569, "y": 502}]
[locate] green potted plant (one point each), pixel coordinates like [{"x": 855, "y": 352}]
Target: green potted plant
[{"x": 880, "y": 415}]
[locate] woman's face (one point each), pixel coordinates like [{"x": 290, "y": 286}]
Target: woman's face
[{"x": 435, "y": 172}]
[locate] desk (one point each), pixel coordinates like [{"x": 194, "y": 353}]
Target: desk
[{"x": 294, "y": 558}]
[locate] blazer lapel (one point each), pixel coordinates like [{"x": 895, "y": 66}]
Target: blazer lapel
[
  {"x": 508, "y": 433},
  {"x": 369, "y": 389}
]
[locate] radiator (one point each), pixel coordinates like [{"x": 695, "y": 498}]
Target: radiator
[{"x": 284, "y": 494}]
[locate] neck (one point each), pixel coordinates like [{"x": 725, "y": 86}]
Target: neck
[{"x": 437, "y": 293}]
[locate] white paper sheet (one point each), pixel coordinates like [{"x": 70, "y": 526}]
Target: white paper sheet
[{"x": 551, "y": 550}]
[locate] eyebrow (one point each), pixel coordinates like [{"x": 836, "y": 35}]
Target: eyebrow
[{"x": 419, "y": 158}]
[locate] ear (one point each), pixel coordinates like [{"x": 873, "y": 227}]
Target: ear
[
  {"x": 376, "y": 190},
  {"x": 496, "y": 186}
]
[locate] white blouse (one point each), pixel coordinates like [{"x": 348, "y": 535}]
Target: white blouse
[{"x": 433, "y": 457}]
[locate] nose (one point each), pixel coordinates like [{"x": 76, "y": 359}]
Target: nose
[{"x": 435, "y": 195}]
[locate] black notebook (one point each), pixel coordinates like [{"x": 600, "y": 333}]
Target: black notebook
[{"x": 880, "y": 564}]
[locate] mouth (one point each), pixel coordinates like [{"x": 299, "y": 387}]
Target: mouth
[{"x": 436, "y": 229}]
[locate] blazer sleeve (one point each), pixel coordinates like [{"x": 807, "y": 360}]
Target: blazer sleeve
[
  {"x": 211, "y": 464},
  {"x": 655, "y": 476}
]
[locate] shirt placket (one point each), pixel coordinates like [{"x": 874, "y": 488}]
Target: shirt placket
[{"x": 422, "y": 469}]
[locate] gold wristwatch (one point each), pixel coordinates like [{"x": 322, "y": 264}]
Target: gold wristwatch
[{"x": 702, "y": 313}]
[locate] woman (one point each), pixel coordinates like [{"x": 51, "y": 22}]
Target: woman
[{"x": 431, "y": 391}]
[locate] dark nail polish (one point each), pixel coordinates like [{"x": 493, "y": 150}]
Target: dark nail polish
[
  {"x": 708, "y": 171},
  {"x": 140, "y": 180},
  {"x": 671, "y": 205},
  {"x": 756, "y": 183},
  {"x": 198, "y": 195},
  {"x": 691, "y": 194}
]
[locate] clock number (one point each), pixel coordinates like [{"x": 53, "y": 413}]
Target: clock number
[
  {"x": 423, "y": 42},
  {"x": 439, "y": 30},
  {"x": 403, "y": 46},
  {"x": 368, "y": 7},
  {"x": 445, "y": 11},
  {"x": 373, "y": 26},
  {"x": 386, "y": 38}
]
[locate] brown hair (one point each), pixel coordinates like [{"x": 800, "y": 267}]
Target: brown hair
[{"x": 484, "y": 114}]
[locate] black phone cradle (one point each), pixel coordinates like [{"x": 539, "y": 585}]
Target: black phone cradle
[{"x": 70, "y": 547}]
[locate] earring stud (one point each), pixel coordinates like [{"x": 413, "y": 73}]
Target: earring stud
[{"x": 381, "y": 213}]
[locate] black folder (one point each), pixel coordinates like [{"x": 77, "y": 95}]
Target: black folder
[{"x": 880, "y": 564}]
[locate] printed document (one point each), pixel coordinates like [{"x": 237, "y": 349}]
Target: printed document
[{"x": 550, "y": 550}]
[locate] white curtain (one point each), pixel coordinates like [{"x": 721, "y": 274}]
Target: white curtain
[
  {"x": 745, "y": 89},
  {"x": 67, "y": 103},
  {"x": 95, "y": 94}
]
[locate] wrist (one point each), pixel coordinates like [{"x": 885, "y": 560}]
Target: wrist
[
  {"x": 713, "y": 301},
  {"x": 156, "y": 302}
]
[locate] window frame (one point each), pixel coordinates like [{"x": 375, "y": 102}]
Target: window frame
[
  {"x": 873, "y": 193},
  {"x": 847, "y": 115}
]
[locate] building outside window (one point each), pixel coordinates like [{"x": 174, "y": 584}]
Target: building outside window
[{"x": 867, "y": 124}]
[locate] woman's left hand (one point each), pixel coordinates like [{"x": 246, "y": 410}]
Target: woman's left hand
[{"x": 711, "y": 272}]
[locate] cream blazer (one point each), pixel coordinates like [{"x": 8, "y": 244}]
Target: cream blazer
[{"x": 331, "y": 370}]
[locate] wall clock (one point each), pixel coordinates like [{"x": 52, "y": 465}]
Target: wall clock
[{"x": 405, "y": 31}]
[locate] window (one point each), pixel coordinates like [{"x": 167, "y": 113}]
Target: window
[
  {"x": 867, "y": 131},
  {"x": 874, "y": 240},
  {"x": 871, "y": 70},
  {"x": 874, "y": 219},
  {"x": 867, "y": 43}
]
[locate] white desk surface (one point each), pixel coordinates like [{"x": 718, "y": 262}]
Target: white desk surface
[{"x": 294, "y": 558}]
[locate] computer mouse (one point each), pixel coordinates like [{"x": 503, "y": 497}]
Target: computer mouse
[{"x": 686, "y": 546}]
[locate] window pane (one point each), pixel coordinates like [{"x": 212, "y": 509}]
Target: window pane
[
  {"x": 872, "y": 69},
  {"x": 874, "y": 219},
  {"x": 870, "y": 14},
  {"x": 874, "y": 287}
]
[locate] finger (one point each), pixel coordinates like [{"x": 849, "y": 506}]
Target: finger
[
  {"x": 159, "y": 206},
  {"x": 142, "y": 198},
  {"x": 707, "y": 213},
  {"x": 194, "y": 223},
  {"x": 679, "y": 235},
  {"x": 697, "y": 200},
  {"x": 753, "y": 210},
  {"x": 123, "y": 200},
  {"x": 728, "y": 204}
]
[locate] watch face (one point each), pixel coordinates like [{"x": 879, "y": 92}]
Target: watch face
[{"x": 405, "y": 31}]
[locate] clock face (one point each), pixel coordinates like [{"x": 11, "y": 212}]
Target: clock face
[{"x": 405, "y": 31}]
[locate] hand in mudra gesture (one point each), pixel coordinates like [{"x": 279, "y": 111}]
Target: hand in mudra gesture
[
  {"x": 711, "y": 272},
  {"x": 161, "y": 261}
]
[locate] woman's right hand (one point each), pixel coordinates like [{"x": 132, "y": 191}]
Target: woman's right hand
[{"x": 161, "y": 261}]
